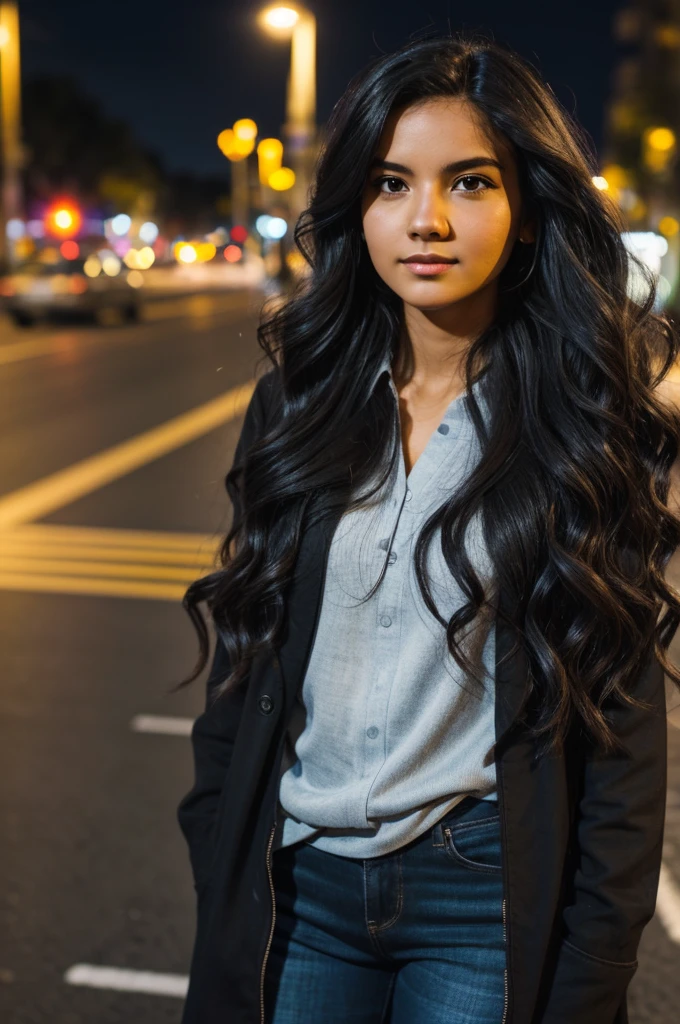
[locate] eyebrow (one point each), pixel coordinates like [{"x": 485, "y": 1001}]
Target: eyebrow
[{"x": 457, "y": 165}]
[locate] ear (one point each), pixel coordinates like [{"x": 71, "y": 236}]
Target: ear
[{"x": 527, "y": 233}]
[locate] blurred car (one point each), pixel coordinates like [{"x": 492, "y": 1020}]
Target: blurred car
[{"x": 76, "y": 288}]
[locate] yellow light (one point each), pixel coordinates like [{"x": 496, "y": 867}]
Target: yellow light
[
  {"x": 661, "y": 139},
  {"x": 145, "y": 257},
  {"x": 111, "y": 266},
  {"x": 92, "y": 266},
  {"x": 269, "y": 157},
  {"x": 669, "y": 226},
  {"x": 4, "y": 36},
  {"x": 617, "y": 177},
  {"x": 185, "y": 253},
  {"x": 225, "y": 140},
  {"x": 242, "y": 148},
  {"x": 245, "y": 129},
  {"x": 601, "y": 183},
  {"x": 63, "y": 219},
  {"x": 280, "y": 17},
  {"x": 235, "y": 148},
  {"x": 130, "y": 259},
  {"x": 204, "y": 251},
  {"x": 135, "y": 279},
  {"x": 282, "y": 179}
]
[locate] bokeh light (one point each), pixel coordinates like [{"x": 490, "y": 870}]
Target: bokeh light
[
  {"x": 92, "y": 266},
  {"x": 111, "y": 265},
  {"x": 282, "y": 179},
  {"x": 232, "y": 254},
  {"x": 135, "y": 279},
  {"x": 148, "y": 232},
  {"x": 70, "y": 250}
]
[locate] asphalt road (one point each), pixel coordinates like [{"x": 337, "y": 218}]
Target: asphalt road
[{"x": 103, "y": 520}]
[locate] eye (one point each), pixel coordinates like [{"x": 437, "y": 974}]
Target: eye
[
  {"x": 475, "y": 177},
  {"x": 378, "y": 182}
]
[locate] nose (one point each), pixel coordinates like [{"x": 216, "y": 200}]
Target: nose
[{"x": 430, "y": 216}]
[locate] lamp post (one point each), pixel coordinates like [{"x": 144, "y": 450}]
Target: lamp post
[
  {"x": 294, "y": 20},
  {"x": 237, "y": 144},
  {"x": 10, "y": 113}
]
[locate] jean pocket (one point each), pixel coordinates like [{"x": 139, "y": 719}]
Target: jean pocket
[{"x": 475, "y": 844}]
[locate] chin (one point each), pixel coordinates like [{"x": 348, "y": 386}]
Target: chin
[{"x": 432, "y": 301}]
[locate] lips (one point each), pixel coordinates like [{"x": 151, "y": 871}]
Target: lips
[
  {"x": 429, "y": 257},
  {"x": 429, "y": 264}
]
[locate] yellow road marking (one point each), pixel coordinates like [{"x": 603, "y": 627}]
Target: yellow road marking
[
  {"x": 37, "y": 542},
  {"x": 99, "y": 587},
  {"x": 47, "y": 558},
  {"x": 53, "y": 533},
  {"x": 64, "y": 487},
  {"x": 79, "y": 567}
]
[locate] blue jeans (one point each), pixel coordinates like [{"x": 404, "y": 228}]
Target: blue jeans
[{"x": 411, "y": 937}]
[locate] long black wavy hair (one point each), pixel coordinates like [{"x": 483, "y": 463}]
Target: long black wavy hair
[{"x": 572, "y": 486}]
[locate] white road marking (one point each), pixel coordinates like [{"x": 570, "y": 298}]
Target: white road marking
[
  {"x": 668, "y": 904},
  {"x": 165, "y": 725},
  {"x": 126, "y": 980}
]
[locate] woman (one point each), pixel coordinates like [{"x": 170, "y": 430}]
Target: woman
[{"x": 430, "y": 774}]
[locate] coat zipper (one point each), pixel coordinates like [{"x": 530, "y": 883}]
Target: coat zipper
[
  {"x": 505, "y": 973},
  {"x": 273, "y": 830},
  {"x": 271, "y": 931}
]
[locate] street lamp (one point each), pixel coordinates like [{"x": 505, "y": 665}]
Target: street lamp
[
  {"x": 10, "y": 111},
  {"x": 294, "y": 20},
  {"x": 237, "y": 143}
]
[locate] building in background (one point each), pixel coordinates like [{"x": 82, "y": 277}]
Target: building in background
[{"x": 640, "y": 166}]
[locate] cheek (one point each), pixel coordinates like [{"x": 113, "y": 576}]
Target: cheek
[
  {"x": 381, "y": 233},
  {"x": 487, "y": 233}
]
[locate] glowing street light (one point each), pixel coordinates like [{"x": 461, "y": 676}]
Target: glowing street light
[
  {"x": 294, "y": 20},
  {"x": 269, "y": 158},
  {"x": 237, "y": 143},
  {"x": 659, "y": 147},
  {"x": 283, "y": 18},
  {"x": 11, "y": 155}
]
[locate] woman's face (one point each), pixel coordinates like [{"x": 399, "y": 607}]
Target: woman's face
[{"x": 416, "y": 201}]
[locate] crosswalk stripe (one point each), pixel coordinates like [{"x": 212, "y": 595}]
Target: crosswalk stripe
[
  {"x": 147, "y": 589},
  {"x": 127, "y": 980},
  {"x": 12, "y": 565},
  {"x": 47, "y": 533},
  {"x": 49, "y": 558},
  {"x": 27, "y": 551}
]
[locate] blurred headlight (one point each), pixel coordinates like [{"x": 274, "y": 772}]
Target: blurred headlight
[{"x": 77, "y": 284}]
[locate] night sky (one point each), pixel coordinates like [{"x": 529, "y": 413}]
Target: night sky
[{"x": 179, "y": 71}]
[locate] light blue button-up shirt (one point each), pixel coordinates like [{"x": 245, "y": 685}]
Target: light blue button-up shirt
[{"x": 387, "y": 733}]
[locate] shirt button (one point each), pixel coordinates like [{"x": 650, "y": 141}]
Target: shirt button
[
  {"x": 384, "y": 543},
  {"x": 443, "y": 428},
  {"x": 372, "y": 732},
  {"x": 392, "y": 557},
  {"x": 409, "y": 494},
  {"x": 385, "y": 620}
]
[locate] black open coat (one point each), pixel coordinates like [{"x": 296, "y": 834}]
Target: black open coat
[{"x": 581, "y": 832}]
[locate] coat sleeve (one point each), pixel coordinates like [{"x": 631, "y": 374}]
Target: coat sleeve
[
  {"x": 214, "y": 731},
  {"x": 620, "y": 824}
]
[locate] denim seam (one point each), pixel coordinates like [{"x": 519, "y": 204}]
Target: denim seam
[
  {"x": 400, "y": 898},
  {"x": 455, "y": 854}
]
